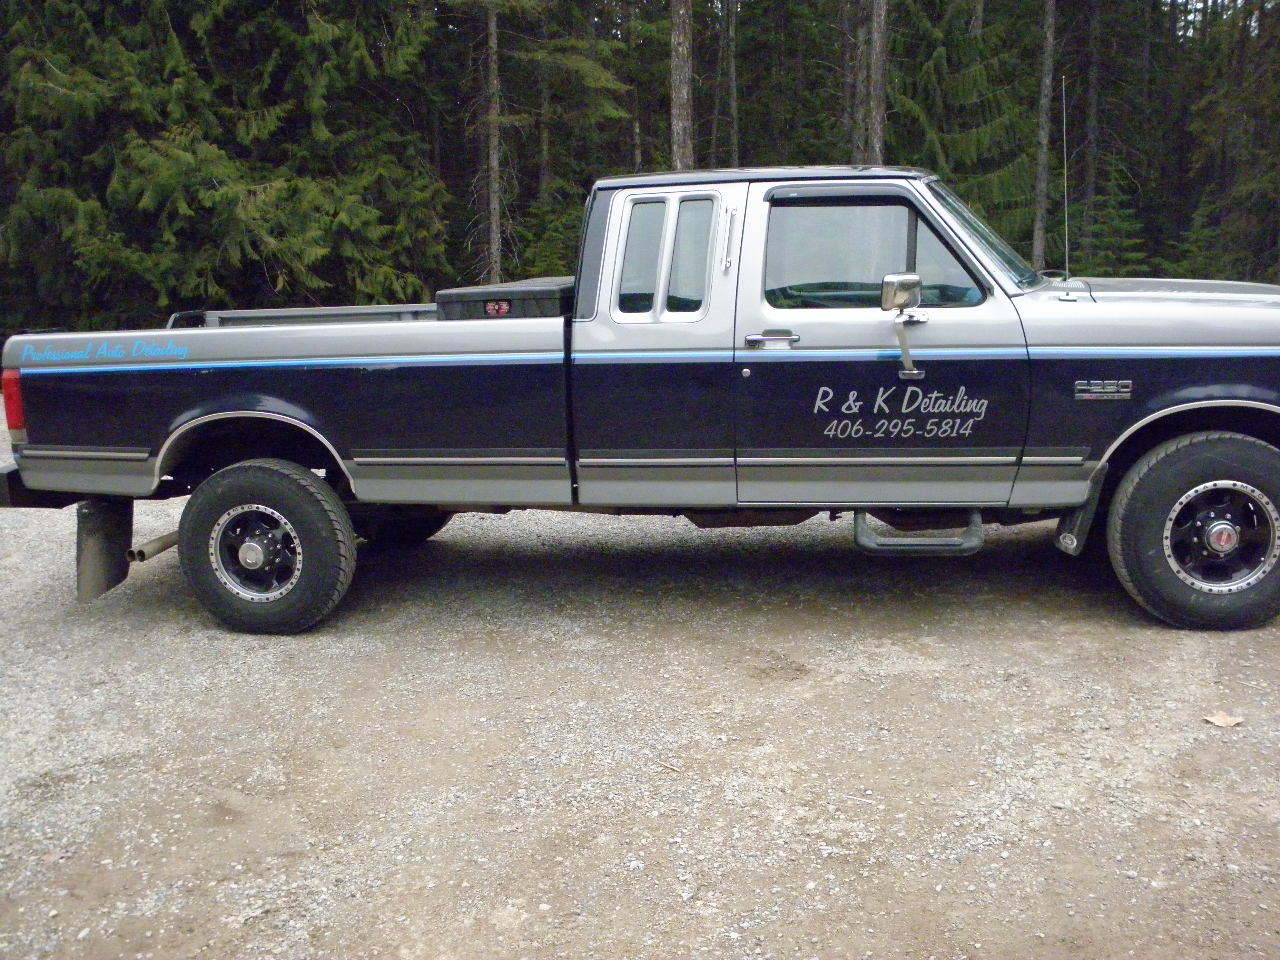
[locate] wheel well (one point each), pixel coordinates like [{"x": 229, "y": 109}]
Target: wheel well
[
  {"x": 202, "y": 451},
  {"x": 1258, "y": 422}
]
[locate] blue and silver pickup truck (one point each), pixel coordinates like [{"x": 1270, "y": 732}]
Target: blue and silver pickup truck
[{"x": 743, "y": 347}]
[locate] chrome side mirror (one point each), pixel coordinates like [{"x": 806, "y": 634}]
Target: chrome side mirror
[{"x": 900, "y": 291}]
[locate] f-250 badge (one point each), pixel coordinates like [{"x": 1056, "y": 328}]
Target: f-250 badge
[{"x": 1104, "y": 389}]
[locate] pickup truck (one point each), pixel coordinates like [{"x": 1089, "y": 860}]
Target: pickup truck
[{"x": 742, "y": 347}]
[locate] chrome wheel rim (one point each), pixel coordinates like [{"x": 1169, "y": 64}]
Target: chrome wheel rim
[
  {"x": 1222, "y": 536},
  {"x": 256, "y": 553}
]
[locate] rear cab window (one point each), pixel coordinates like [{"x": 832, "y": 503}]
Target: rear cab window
[{"x": 665, "y": 268}]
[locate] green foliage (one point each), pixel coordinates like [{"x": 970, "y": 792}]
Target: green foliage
[
  {"x": 1119, "y": 248},
  {"x": 548, "y": 234},
  {"x": 963, "y": 109},
  {"x": 233, "y": 155},
  {"x": 1236, "y": 226}
]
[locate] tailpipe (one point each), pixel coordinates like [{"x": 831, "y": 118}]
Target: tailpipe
[{"x": 153, "y": 548}]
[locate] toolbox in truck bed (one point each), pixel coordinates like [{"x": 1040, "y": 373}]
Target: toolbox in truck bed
[{"x": 538, "y": 297}]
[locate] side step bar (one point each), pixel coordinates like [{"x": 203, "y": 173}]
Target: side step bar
[{"x": 869, "y": 541}]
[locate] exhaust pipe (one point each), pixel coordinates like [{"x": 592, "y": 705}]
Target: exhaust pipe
[{"x": 153, "y": 548}]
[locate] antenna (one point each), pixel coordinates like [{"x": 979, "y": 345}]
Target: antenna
[{"x": 1066, "y": 205}]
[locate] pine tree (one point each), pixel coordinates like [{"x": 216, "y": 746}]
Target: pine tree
[
  {"x": 234, "y": 156},
  {"x": 1236, "y": 227},
  {"x": 962, "y": 110},
  {"x": 1119, "y": 247}
]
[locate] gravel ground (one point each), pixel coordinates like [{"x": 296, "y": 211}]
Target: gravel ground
[{"x": 558, "y": 735}]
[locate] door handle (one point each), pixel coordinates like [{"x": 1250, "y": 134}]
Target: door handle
[
  {"x": 728, "y": 241},
  {"x": 771, "y": 337}
]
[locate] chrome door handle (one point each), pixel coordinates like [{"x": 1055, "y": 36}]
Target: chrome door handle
[
  {"x": 764, "y": 339},
  {"x": 728, "y": 241}
]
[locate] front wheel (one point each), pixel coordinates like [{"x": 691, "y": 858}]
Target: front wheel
[
  {"x": 1194, "y": 531},
  {"x": 267, "y": 546}
]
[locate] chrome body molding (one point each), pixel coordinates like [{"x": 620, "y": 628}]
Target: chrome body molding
[
  {"x": 875, "y": 461},
  {"x": 82, "y": 453},
  {"x": 1179, "y": 408},
  {"x": 884, "y": 504},
  {"x": 166, "y": 448},
  {"x": 655, "y": 462},
  {"x": 460, "y": 461}
]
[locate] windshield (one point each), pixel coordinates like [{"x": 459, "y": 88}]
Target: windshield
[{"x": 999, "y": 252}]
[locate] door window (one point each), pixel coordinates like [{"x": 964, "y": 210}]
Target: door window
[
  {"x": 835, "y": 255},
  {"x": 946, "y": 282}
]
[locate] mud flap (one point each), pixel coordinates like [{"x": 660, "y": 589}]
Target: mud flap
[
  {"x": 104, "y": 534},
  {"x": 1073, "y": 529}
]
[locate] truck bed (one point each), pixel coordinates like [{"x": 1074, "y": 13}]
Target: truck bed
[
  {"x": 518, "y": 299},
  {"x": 288, "y": 316}
]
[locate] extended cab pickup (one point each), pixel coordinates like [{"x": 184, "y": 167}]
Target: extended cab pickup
[{"x": 738, "y": 347}]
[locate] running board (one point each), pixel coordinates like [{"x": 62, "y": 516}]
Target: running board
[{"x": 968, "y": 542}]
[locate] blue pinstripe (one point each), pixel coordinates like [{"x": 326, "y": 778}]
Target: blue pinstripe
[{"x": 689, "y": 356}]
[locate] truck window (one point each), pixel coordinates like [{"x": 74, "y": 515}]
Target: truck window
[
  {"x": 835, "y": 255},
  {"x": 946, "y": 282},
  {"x": 666, "y": 258},
  {"x": 640, "y": 256},
  {"x": 687, "y": 287}
]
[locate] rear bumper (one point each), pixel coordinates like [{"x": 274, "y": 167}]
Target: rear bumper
[{"x": 15, "y": 493}]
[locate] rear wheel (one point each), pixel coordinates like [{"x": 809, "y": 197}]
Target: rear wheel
[
  {"x": 1194, "y": 531},
  {"x": 267, "y": 546}
]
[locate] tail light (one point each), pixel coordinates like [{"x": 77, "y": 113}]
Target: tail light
[{"x": 13, "y": 409}]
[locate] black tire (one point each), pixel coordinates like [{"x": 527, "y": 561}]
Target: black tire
[
  {"x": 301, "y": 519},
  {"x": 395, "y": 526},
  {"x": 1163, "y": 519}
]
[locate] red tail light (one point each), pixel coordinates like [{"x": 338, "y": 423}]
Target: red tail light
[{"x": 13, "y": 410}]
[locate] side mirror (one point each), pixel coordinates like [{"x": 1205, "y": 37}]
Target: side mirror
[{"x": 900, "y": 291}]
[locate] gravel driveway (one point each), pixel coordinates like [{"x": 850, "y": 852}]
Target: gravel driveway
[{"x": 558, "y": 735}]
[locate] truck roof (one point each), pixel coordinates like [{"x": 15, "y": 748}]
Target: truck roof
[{"x": 682, "y": 177}]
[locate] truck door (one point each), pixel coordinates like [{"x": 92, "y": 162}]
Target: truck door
[
  {"x": 824, "y": 413},
  {"x": 652, "y": 348}
]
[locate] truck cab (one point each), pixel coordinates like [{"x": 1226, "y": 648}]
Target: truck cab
[{"x": 732, "y": 348}]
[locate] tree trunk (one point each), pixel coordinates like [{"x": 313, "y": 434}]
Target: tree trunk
[
  {"x": 718, "y": 89},
  {"x": 637, "y": 144},
  {"x": 1093, "y": 82},
  {"x": 682, "y": 84},
  {"x": 731, "y": 78},
  {"x": 849, "y": 64},
  {"x": 979, "y": 18},
  {"x": 493, "y": 271},
  {"x": 1148, "y": 26},
  {"x": 862, "y": 79},
  {"x": 544, "y": 136},
  {"x": 1042, "y": 140},
  {"x": 877, "y": 95}
]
